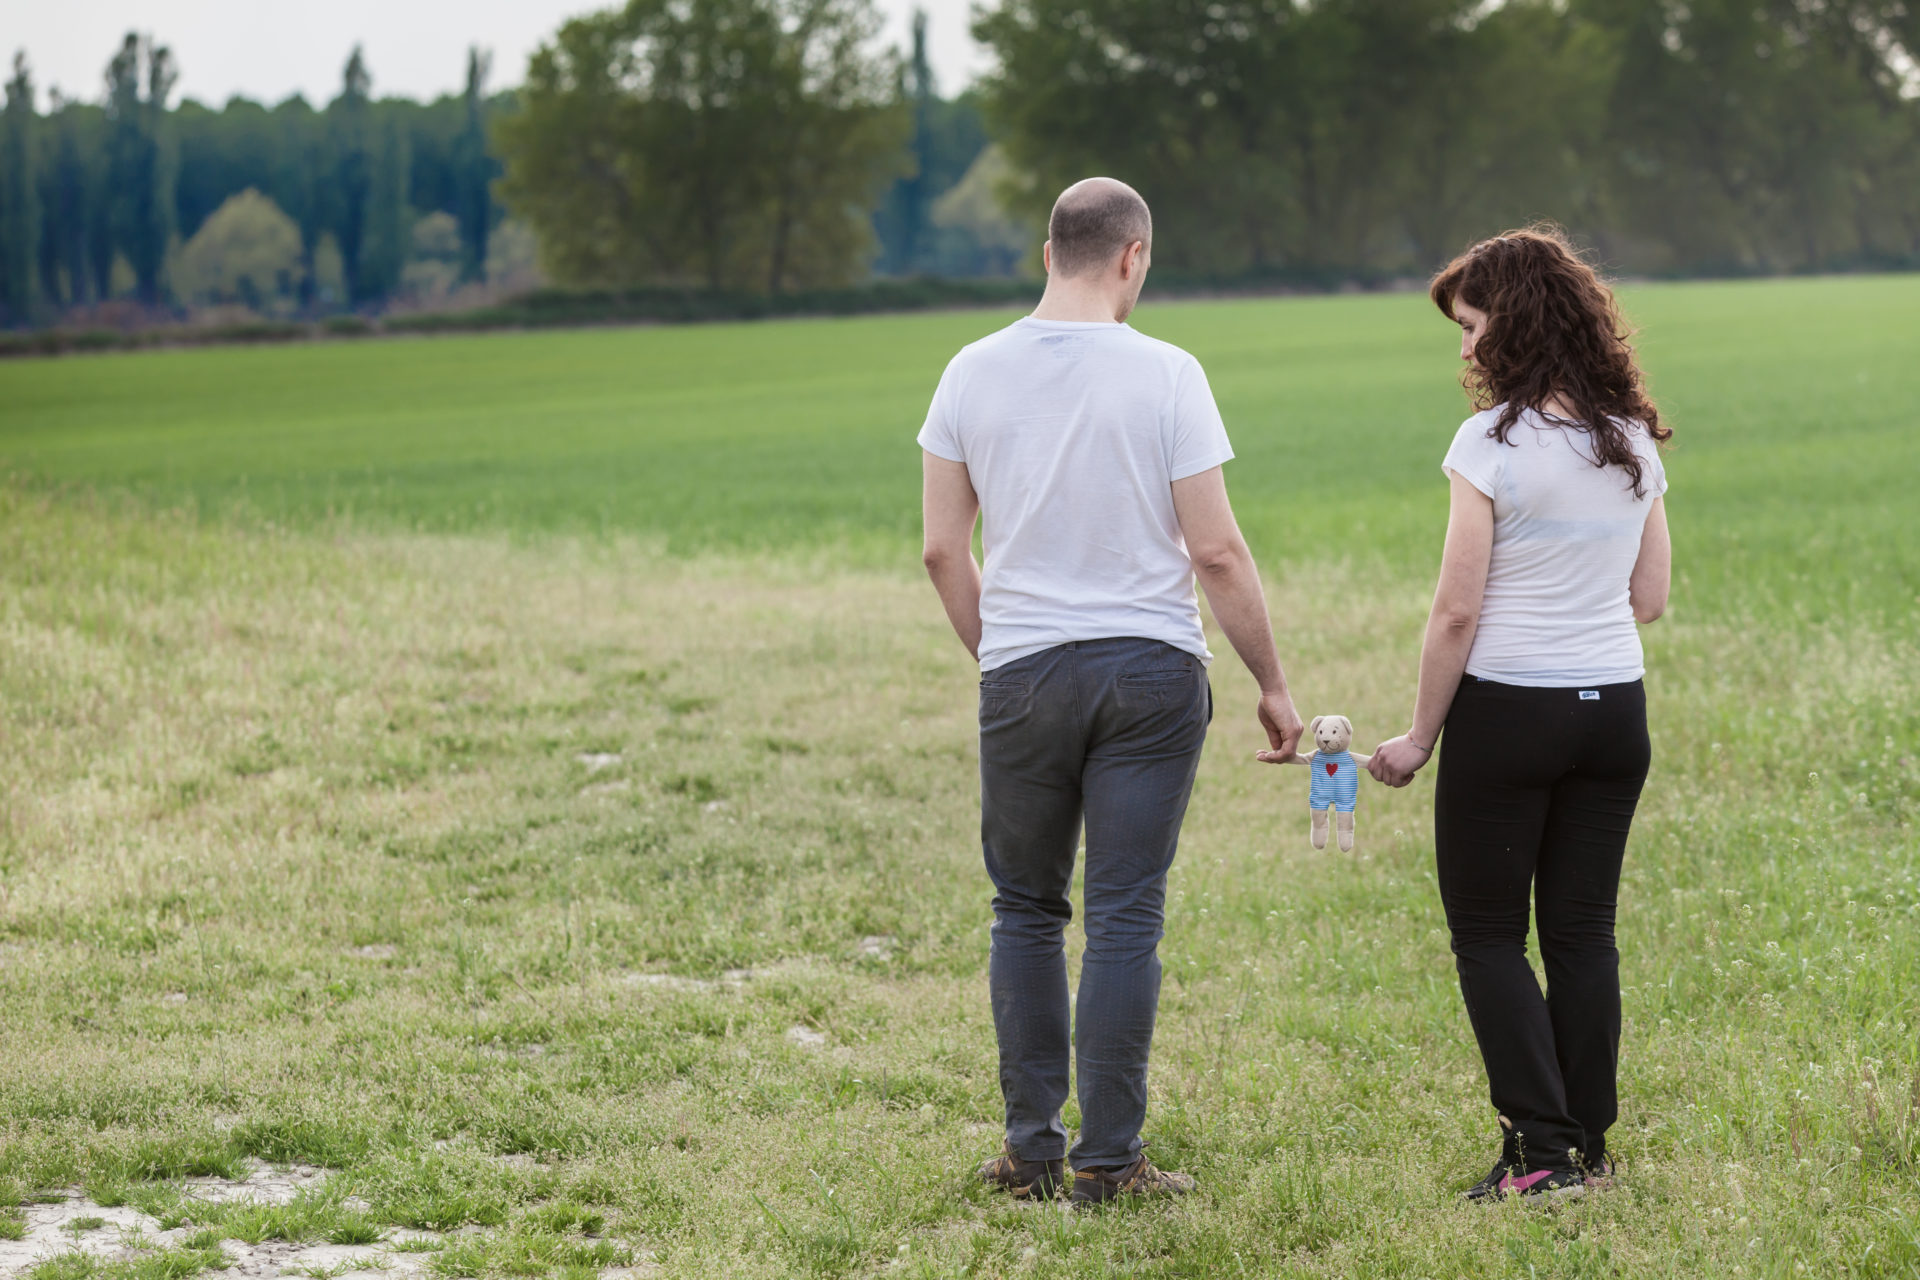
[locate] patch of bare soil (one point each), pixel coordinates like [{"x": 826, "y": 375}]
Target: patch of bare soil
[{"x": 75, "y": 1223}]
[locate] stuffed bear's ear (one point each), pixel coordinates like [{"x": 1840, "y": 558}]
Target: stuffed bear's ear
[
  {"x": 1315, "y": 726},
  {"x": 1345, "y": 723}
]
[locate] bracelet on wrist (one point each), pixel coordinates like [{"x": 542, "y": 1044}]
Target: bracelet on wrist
[{"x": 1425, "y": 751}]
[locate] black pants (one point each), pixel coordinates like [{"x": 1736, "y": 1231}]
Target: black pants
[{"x": 1537, "y": 789}]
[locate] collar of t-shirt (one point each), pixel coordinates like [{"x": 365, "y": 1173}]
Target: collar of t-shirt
[{"x": 1115, "y": 325}]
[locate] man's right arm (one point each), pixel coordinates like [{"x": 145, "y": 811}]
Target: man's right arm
[
  {"x": 1225, "y": 568},
  {"x": 948, "y": 509}
]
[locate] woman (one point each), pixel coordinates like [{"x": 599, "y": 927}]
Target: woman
[{"x": 1556, "y": 547}]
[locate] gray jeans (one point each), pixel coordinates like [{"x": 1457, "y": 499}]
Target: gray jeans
[{"x": 1108, "y": 731}]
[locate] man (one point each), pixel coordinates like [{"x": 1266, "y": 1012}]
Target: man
[{"x": 1094, "y": 454}]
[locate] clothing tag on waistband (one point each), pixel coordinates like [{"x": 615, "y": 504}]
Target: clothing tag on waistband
[{"x": 1589, "y": 695}]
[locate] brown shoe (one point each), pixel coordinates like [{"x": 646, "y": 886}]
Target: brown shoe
[
  {"x": 1026, "y": 1179},
  {"x": 1097, "y": 1186}
]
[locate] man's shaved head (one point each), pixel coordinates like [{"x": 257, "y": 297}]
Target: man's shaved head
[{"x": 1093, "y": 220}]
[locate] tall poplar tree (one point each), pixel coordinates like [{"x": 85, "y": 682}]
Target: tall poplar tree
[
  {"x": 19, "y": 199},
  {"x": 351, "y": 135},
  {"x": 141, "y": 161},
  {"x": 915, "y": 196},
  {"x": 70, "y": 201},
  {"x": 385, "y": 221},
  {"x": 474, "y": 171}
]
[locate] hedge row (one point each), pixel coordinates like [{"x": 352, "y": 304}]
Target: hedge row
[
  {"x": 550, "y": 308},
  {"x": 553, "y": 308}
]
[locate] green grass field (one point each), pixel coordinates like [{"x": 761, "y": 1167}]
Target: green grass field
[{"x": 526, "y": 776}]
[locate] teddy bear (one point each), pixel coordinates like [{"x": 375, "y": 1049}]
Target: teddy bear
[{"x": 1336, "y": 777}]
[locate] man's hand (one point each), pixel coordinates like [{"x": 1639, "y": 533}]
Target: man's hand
[
  {"x": 1396, "y": 760},
  {"x": 1282, "y": 723}
]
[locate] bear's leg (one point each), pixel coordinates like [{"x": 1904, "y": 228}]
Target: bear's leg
[
  {"x": 1345, "y": 822},
  {"x": 1319, "y": 828}
]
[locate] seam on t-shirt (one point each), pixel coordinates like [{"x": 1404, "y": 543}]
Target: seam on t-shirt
[
  {"x": 1194, "y": 469},
  {"x": 938, "y": 453},
  {"x": 950, "y": 417},
  {"x": 1187, "y": 367},
  {"x": 1480, "y": 483}
]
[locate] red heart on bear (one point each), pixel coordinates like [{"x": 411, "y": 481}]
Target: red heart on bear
[{"x": 1332, "y": 769}]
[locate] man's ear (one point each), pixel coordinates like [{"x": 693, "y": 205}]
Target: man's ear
[
  {"x": 1315, "y": 726},
  {"x": 1130, "y": 259},
  {"x": 1046, "y": 257}
]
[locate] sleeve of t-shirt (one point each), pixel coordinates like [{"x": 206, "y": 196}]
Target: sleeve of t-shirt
[
  {"x": 1653, "y": 469},
  {"x": 1199, "y": 436},
  {"x": 940, "y": 436},
  {"x": 1475, "y": 457}
]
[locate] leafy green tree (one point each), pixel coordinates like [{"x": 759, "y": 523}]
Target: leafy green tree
[
  {"x": 1264, "y": 135},
  {"x": 1347, "y": 137},
  {"x": 835, "y": 140},
  {"x": 735, "y": 142},
  {"x": 246, "y": 251},
  {"x": 141, "y": 160},
  {"x": 1763, "y": 134},
  {"x": 973, "y": 211},
  {"x": 436, "y": 259},
  {"x": 19, "y": 199},
  {"x": 1466, "y": 168}
]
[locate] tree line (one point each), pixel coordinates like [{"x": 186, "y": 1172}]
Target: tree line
[
  {"x": 1328, "y": 141},
  {"x": 766, "y": 145},
  {"x": 1354, "y": 137},
  {"x": 761, "y": 144},
  {"x": 99, "y": 199}
]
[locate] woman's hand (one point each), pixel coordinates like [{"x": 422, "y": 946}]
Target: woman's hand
[{"x": 1396, "y": 760}]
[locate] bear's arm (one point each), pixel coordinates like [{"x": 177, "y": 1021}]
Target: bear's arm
[{"x": 1360, "y": 759}]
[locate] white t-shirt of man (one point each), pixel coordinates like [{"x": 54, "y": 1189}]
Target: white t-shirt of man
[
  {"x": 1073, "y": 434},
  {"x": 1566, "y": 535}
]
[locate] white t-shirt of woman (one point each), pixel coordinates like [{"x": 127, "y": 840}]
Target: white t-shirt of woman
[{"x": 1566, "y": 535}]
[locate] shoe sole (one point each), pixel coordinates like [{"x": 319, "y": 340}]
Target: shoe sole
[
  {"x": 1554, "y": 1196},
  {"x": 1038, "y": 1189},
  {"x": 1108, "y": 1196},
  {"x": 1089, "y": 1202}
]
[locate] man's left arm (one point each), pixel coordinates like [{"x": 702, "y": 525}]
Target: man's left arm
[{"x": 948, "y": 508}]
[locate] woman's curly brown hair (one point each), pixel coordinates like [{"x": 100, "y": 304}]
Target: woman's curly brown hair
[{"x": 1553, "y": 329}]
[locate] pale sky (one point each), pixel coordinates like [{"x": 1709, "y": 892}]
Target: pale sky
[{"x": 267, "y": 49}]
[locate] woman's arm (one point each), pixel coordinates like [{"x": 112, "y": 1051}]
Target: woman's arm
[
  {"x": 1450, "y": 629},
  {"x": 1653, "y": 571}
]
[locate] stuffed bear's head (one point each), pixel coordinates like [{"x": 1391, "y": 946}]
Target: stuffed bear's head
[{"x": 1332, "y": 734}]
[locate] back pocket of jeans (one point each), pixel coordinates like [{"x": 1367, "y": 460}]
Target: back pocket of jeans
[
  {"x": 1163, "y": 688},
  {"x": 1000, "y": 698}
]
